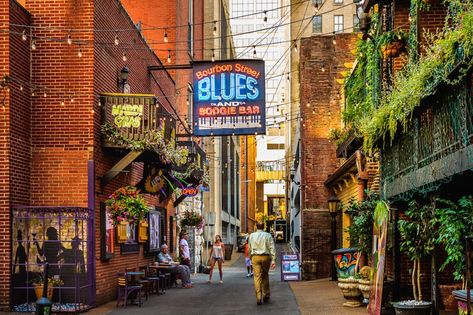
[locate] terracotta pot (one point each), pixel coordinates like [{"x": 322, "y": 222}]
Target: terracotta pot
[
  {"x": 448, "y": 300},
  {"x": 38, "y": 289},
  {"x": 365, "y": 287},
  {"x": 351, "y": 292}
]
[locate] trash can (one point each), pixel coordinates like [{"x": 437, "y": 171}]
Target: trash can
[{"x": 228, "y": 251}]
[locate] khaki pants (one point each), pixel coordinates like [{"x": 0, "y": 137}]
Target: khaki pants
[{"x": 261, "y": 265}]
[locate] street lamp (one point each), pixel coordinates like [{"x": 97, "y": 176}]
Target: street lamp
[
  {"x": 123, "y": 82},
  {"x": 293, "y": 174},
  {"x": 333, "y": 206},
  {"x": 365, "y": 22}
]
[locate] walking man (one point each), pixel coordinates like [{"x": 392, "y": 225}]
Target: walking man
[{"x": 263, "y": 257}]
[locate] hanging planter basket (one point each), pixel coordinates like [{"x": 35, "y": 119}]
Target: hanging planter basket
[{"x": 393, "y": 49}]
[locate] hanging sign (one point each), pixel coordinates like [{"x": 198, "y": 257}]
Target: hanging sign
[
  {"x": 229, "y": 98},
  {"x": 190, "y": 191}
]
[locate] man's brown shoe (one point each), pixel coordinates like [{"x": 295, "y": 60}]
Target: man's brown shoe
[
  {"x": 266, "y": 299},
  {"x": 258, "y": 302}
]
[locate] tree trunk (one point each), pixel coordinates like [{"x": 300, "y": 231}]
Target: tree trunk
[
  {"x": 413, "y": 280},
  {"x": 418, "y": 280}
]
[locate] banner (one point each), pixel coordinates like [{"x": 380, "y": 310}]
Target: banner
[{"x": 229, "y": 98}]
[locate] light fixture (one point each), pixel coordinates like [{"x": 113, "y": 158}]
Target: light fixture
[
  {"x": 334, "y": 40},
  {"x": 295, "y": 45},
  {"x": 124, "y": 57},
  {"x": 213, "y": 55},
  {"x": 116, "y": 41},
  {"x": 308, "y": 104},
  {"x": 33, "y": 45},
  {"x": 265, "y": 19},
  {"x": 333, "y": 205},
  {"x": 254, "y": 51},
  {"x": 63, "y": 103},
  {"x": 69, "y": 39},
  {"x": 316, "y": 6},
  {"x": 45, "y": 95},
  {"x": 21, "y": 87},
  {"x": 124, "y": 73},
  {"x": 23, "y": 35},
  {"x": 293, "y": 174},
  {"x": 169, "y": 56},
  {"x": 166, "y": 36},
  {"x": 215, "y": 28},
  {"x": 79, "y": 53},
  {"x": 323, "y": 68}
]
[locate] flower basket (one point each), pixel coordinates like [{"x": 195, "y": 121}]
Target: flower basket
[
  {"x": 191, "y": 218},
  {"x": 393, "y": 49},
  {"x": 126, "y": 205},
  {"x": 143, "y": 231}
]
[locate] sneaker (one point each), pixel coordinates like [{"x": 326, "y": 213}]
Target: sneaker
[
  {"x": 251, "y": 274},
  {"x": 221, "y": 281},
  {"x": 248, "y": 275}
]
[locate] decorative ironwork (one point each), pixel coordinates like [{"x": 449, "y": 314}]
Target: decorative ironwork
[
  {"x": 64, "y": 238},
  {"x": 438, "y": 144}
]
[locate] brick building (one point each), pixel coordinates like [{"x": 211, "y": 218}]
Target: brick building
[{"x": 52, "y": 149}]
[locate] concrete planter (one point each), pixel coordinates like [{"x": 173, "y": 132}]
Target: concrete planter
[
  {"x": 413, "y": 308},
  {"x": 351, "y": 291},
  {"x": 365, "y": 288}
]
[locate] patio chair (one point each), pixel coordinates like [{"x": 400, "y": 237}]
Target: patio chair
[{"x": 128, "y": 287}]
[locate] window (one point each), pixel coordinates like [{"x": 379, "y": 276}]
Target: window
[
  {"x": 356, "y": 23},
  {"x": 338, "y": 23},
  {"x": 338, "y": 2},
  {"x": 317, "y": 24},
  {"x": 243, "y": 9}
]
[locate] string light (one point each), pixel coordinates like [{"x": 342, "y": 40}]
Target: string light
[
  {"x": 169, "y": 56},
  {"x": 45, "y": 95},
  {"x": 295, "y": 45},
  {"x": 308, "y": 104},
  {"x": 215, "y": 28},
  {"x": 124, "y": 57},
  {"x": 254, "y": 51},
  {"x": 166, "y": 36},
  {"x": 80, "y": 53},
  {"x": 334, "y": 41},
  {"x": 63, "y": 103},
  {"x": 69, "y": 39},
  {"x": 265, "y": 19},
  {"x": 213, "y": 55},
  {"x": 72, "y": 100},
  {"x": 316, "y": 5},
  {"x": 116, "y": 41},
  {"x": 23, "y": 36},
  {"x": 323, "y": 68},
  {"x": 33, "y": 44},
  {"x": 21, "y": 87},
  {"x": 33, "y": 94}
]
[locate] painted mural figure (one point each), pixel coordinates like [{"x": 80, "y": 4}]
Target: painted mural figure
[
  {"x": 51, "y": 250},
  {"x": 20, "y": 257}
]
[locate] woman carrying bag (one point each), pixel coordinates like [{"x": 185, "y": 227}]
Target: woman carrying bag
[{"x": 217, "y": 254}]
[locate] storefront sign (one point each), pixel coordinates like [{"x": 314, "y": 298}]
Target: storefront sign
[
  {"x": 290, "y": 267},
  {"x": 127, "y": 115},
  {"x": 229, "y": 98},
  {"x": 190, "y": 191}
]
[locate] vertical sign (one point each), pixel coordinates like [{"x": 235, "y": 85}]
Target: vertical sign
[
  {"x": 380, "y": 233},
  {"x": 290, "y": 267},
  {"x": 229, "y": 98}
]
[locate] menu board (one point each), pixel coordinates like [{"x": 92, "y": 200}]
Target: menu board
[{"x": 290, "y": 267}]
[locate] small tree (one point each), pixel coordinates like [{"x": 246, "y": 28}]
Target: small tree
[
  {"x": 417, "y": 239},
  {"x": 454, "y": 221}
]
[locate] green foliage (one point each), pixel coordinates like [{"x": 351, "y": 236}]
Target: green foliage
[
  {"x": 417, "y": 231},
  {"x": 420, "y": 79},
  {"x": 168, "y": 152},
  {"x": 361, "y": 227},
  {"x": 454, "y": 221},
  {"x": 338, "y": 136},
  {"x": 191, "y": 218},
  {"x": 126, "y": 204}
]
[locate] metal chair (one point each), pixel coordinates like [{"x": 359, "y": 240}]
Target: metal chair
[
  {"x": 154, "y": 280},
  {"x": 126, "y": 287}
]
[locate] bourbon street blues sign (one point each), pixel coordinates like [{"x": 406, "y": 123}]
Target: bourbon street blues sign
[{"x": 229, "y": 98}]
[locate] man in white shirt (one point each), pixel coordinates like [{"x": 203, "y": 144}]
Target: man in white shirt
[
  {"x": 263, "y": 257},
  {"x": 184, "y": 252}
]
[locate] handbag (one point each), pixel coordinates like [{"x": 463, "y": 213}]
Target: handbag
[{"x": 206, "y": 270}]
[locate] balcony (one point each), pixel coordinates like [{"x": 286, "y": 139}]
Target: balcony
[{"x": 437, "y": 146}]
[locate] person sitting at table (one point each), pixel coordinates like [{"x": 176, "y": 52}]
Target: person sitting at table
[{"x": 183, "y": 270}]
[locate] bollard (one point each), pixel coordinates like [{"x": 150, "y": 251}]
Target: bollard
[{"x": 44, "y": 305}]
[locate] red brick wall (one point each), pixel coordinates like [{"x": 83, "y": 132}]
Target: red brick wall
[
  {"x": 107, "y": 66},
  {"x": 5, "y": 238},
  {"x": 321, "y": 90}
]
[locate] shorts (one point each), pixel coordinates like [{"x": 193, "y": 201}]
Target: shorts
[
  {"x": 217, "y": 258},
  {"x": 248, "y": 262}
]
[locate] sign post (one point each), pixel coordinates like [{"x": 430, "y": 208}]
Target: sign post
[{"x": 290, "y": 267}]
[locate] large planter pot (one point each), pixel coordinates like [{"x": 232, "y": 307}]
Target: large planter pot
[
  {"x": 345, "y": 261},
  {"x": 460, "y": 296},
  {"x": 351, "y": 292},
  {"x": 413, "y": 308},
  {"x": 365, "y": 287},
  {"x": 448, "y": 300},
  {"x": 38, "y": 289}
]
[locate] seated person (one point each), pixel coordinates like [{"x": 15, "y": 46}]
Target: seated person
[{"x": 183, "y": 270}]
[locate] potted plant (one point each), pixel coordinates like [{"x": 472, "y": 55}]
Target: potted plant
[
  {"x": 127, "y": 207},
  {"x": 454, "y": 221},
  {"x": 191, "y": 218},
  {"x": 392, "y": 43},
  {"x": 38, "y": 284},
  {"x": 417, "y": 242}
]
